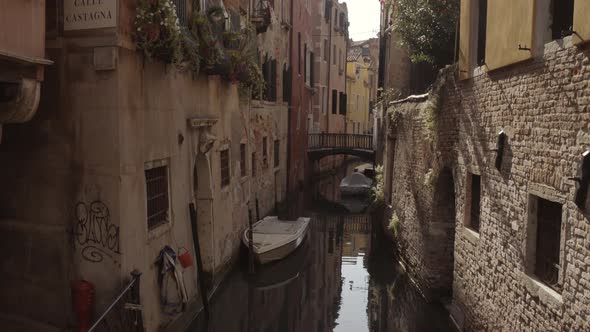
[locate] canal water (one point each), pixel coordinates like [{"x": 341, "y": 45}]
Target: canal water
[{"x": 344, "y": 278}]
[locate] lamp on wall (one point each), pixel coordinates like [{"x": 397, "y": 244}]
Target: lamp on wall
[
  {"x": 583, "y": 181},
  {"x": 500, "y": 144}
]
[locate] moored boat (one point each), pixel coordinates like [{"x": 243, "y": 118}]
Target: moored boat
[
  {"x": 355, "y": 184},
  {"x": 275, "y": 239}
]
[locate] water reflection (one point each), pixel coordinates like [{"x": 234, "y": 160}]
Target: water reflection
[{"x": 343, "y": 278}]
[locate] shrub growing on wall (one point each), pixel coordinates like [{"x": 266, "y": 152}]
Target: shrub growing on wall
[{"x": 427, "y": 29}]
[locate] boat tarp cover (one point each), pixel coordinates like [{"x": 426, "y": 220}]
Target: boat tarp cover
[
  {"x": 275, "y": 226},
  {"x": 356, "y": 180}
]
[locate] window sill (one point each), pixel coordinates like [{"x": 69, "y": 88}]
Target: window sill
[
  {"x": 556, "y": 45},
  {"x": 471, "y": 235},
  {"x": 545, "y": 293},
  {"x": 159, "y": 231},
  {"x": 277, "y": 169}
]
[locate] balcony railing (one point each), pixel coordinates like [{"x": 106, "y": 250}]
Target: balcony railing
[{"x": 340, "y": 141}]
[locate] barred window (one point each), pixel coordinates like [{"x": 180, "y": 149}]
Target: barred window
[
  {"x": 264, "y": 152},
  {"x": 243, "y": 160},
  {"x": 548, "y": 244},
  {"x": 277, "y": 149},
  {"x": 225, "y": 171},
  {"x": 156, "y": 180},
  {"x": 253, "y": 164},
  {"x": 473, "y": 206},
  {"x": 180, "y": 10}
]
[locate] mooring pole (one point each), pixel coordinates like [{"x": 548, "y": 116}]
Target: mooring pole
[
  {"x": 257, "y": 210},
  {"x": 200, "y": 274},
  {"x": 250, "y": 244}
]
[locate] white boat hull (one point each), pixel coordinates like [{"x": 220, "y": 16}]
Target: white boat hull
[{"x": 269, "y": 247}]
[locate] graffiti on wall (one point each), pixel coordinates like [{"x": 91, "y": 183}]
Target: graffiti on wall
[{"x": 94, "y": 233}]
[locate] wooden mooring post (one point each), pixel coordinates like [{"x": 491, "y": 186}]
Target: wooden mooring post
[
  {"x": 250, "y": 245},
  {"x": 200, "y": 274}
]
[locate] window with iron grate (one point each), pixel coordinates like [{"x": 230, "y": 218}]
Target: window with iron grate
[
  {"x": 181, "y": 11},
  {"x": 158, "y": 203},
  {"x": 548, "y": 242},
  {"x": 563, "y": 18},
  {"x": 264, "y": 152},
  {"x": 243, "y": 159},
  {"x": 473, "y": 202},
  {"x": 225, "y": 170},
  {"x": 277, "y": 149}
]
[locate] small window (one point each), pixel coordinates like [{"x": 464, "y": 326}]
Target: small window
[
  {"x": 264, "y": 152},
  {"x": 156, "y": 183},
  {"x": 563, "y": 18},
  {"x": 243, "y": 160},
  {"x": 473, "y": 202},
  {"x": 326, "y": 50},
  {"x": 334, "y": 102},
  {"x": 299, "y": 52},
  {"x": 548, "y": 242},
  {"x": 253, "y": 164},
  {"x": 225, "y": 171},
  {"x": 324, "y": 100},
  {"x": 343, "y": 101},
  {"x": 544, "y": 241},
  {"x": 180, "y": 11},
  {"x": 481, "y": 31},
  {"x": 277, "y": 155},
  {"x": 334, "y": 55}
]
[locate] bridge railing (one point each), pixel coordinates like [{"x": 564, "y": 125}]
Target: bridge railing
[{"x": 340, "y": 141}]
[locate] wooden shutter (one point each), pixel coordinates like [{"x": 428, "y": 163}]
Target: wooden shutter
[
  {"x": 510, "y": 24},
  {"x": 581, "y": 26}
]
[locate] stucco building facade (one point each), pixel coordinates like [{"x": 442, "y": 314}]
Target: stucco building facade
[
  {"x": 359, "y": 118},
  {"x": 101, "y": 179}
]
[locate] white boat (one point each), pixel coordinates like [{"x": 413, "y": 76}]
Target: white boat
[
  {"x": 275, "y": 239},
  {"x": 356, "y": 184}
]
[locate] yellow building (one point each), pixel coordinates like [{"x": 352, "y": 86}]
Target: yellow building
[{"x": 358, "y": 90}]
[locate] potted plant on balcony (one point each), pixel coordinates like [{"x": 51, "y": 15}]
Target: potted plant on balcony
[{"x": 157, "y": 30}]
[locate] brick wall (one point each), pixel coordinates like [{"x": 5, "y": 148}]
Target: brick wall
[{"x": 544, "y": 107}]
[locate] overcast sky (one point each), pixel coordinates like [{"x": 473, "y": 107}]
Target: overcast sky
[{"x": 364, "y": 18}]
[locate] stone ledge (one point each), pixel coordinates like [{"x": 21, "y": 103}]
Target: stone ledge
[
  {"x": 545, "y": 294},
  {"x": 470, "y": 235}
]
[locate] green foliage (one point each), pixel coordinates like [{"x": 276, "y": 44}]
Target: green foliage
[
  {"x": 427, "y": 29},
  {"x": 191, "y": 58},
  {"x": 429, "y": 178},
  {"x": 394, "y": 225},
  {"x": 378, "y": 191},
  {"x": 157, "y": 30},
  {"x": 231, "y": 54}
]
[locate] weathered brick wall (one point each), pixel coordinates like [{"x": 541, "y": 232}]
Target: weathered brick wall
[
  {"x": 421, "y": 197},
  {"x": 544, "y": 107}
]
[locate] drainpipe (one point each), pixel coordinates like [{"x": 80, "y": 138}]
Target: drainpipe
[
  {"x": 289, "y": 108},
  {"x": 329, "y": 92}
]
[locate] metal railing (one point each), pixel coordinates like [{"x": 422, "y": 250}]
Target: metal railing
[
  {"x": 340, "y": 141},
  {"x": 124, "y": 313}
]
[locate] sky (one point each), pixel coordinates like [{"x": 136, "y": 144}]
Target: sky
[{"x": 364, "y": 18}]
